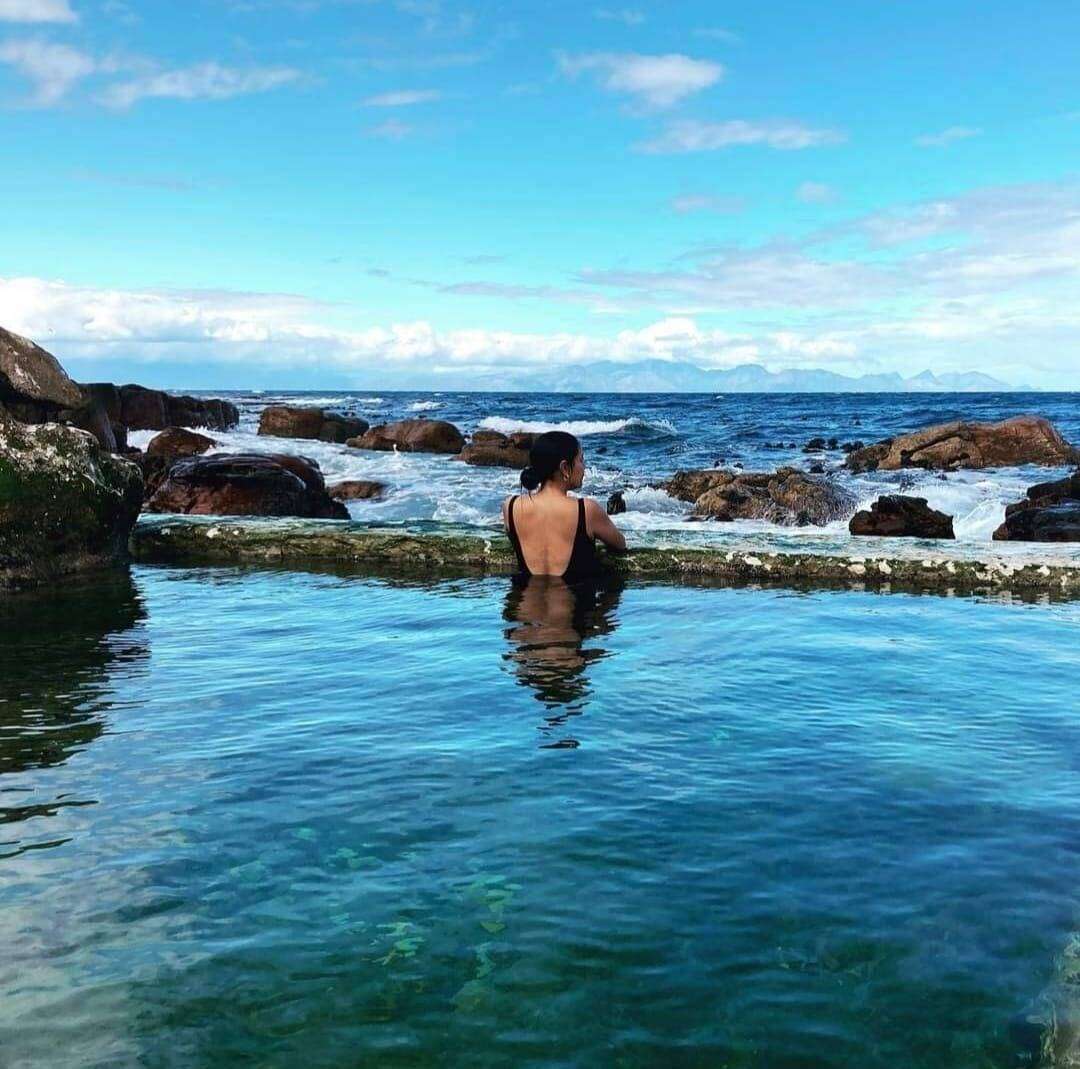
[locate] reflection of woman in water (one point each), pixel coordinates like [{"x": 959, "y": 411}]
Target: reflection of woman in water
[
  {"x": 552, "y": 532},
  {"x": 555, "y": 603}
]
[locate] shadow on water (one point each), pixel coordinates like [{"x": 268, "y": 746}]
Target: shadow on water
[
  {"x": 551, "y": 625},
  {"x": 59, "y": 648}
]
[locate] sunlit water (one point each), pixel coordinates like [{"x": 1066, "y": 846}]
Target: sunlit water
[
  {"x": 633, "y": 440},
  {"x": 271, "y": 819}
]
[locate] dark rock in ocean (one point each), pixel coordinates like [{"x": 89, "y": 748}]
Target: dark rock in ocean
[
  {"x": 1049, "y": 513},
  {"x": 490, "y": 449},
  {"x": 91, "y": 416},
  {"x": 143, "y": 409},
  {"x": 357, "y": 490},
  {"x": 154, "y": 468},
  {"x": 952, "y": 446},
  {"x": 412, "y": 436},
  {"x": 896, "y": 516},
  {"x": 834, "y": 443},
  {"x": 601, "y": 449},
  {"x": 788, "y": 496},
  {"x": 815, "y": 445},
  {"x": 616, "y": 504},
  {"x": 178, "y": 442},
  {"x": 852, "y": 447},
  {"x": 297, "y": 421},
  {"x": 817, "y": 468},
  {"x": 246, "y": 484},
  {"x": 66, "y": 504},
  {"x": 32, "y": 380},
  {"x": 339, "y": 429}
]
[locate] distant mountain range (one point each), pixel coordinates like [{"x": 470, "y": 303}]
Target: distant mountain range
[{"x": 661, "y": 376}]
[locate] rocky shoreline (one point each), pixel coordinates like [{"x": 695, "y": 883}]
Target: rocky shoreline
[{"x": 306, "y": 545}]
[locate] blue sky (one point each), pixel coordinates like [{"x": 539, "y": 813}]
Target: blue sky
[{"x": 389, "y": 192}]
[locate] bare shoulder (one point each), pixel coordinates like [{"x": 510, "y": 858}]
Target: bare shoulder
[{"x": 594, "y": 508}]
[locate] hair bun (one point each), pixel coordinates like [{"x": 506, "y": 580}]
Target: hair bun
[{"x": 530, "y": 478}]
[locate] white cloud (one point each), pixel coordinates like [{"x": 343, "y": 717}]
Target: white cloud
[
  {"x": 202, "y": 81},
  {"x": 815, "y": 193},
  {"x": 52, "y": 68},
  {"x": 626, "y": 15},
  {"x": 947, "y": 137},
  {"x": 694, "y": 135},
  {"x": 402, "y": 98},
  {"x": 653, "y": 82},
  {"x": 36, "y": 11},
  {"x": 391, "y": 130},
  {"x": 706, "y": 202}
]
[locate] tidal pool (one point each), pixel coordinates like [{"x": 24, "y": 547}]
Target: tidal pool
[{"x": 260, "y": 818}]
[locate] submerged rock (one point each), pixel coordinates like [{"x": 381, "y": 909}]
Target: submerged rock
[
  {"x": 297, "y": 421},
  {"x": 952, "y": 446},
  {"x": 1049, "y": 513},
  {"x": 492, "y": 449},
  {"x": 178, "y": 442},
  {"x": 412, "y": 436},
  {"x": 616, "y": 504},
  {"x": 65, "y": 503},
  {"x": 357, "y": 490},
  {"x": 787, "y": 496},
  {"x": 897, "y": 516},
  {"x": 246, "y": 484}
]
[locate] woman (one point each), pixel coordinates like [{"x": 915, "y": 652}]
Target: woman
[{"x": 552, "y": 532}]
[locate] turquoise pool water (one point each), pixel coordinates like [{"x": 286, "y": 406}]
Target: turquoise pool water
[{"x": 275, "y": 819}]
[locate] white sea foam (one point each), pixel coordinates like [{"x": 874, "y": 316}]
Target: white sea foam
[
  {"x": 424, "y": 406},
  {"x": 579, "y": 427}
]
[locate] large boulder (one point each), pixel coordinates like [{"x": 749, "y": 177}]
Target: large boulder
[
  {"x": 1049, "y": 513},
  {"x": 357, "y": 490},
  {"x": 951, "y": 446},
  {"x": 246, "y": 484},
  {"x": 897, "y": 516},
  {"x": 65, "y": 503},
  {"x": 339, "y": 429},
  {"x": 492, "y": 449},
  {"x": 412, "y": 436},
  {"x": 787, "y": 496},
  {"x": 299, "y": 421},
  {"x": 143, "y": 409},
  {"x": 179, "y": 442},
  {"x": 32, "y": 380}
]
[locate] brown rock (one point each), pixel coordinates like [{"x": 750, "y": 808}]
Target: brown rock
[
  {"x": 29, "y": 373},
  {"x": 616, "y": 504},
  {"x": 1049, "y": 513},
  {"x": 788, "y": 496},
  {"x": 339, "y": 429},
  {"x": 246, "y": 484},
  {"x": 153, "y": 468},
  {"x": 143, "y": 409},
  {"x": 178, "y": 442},
  {"x": 951, "y": 446},
  {"x": 490, "y": 449},
  {"x": 291, "y": 421},
  {"x": 412, "y": 436},
  {"x": 357, "y": 490},
  {"x": 897, "y": 516}
]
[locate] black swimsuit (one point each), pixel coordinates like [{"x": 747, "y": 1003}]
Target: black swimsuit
[{"x": 583, "y": 560}]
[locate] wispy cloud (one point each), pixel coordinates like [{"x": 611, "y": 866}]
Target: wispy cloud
[
  {"x": 391, "y": 130},
  {"x": 815, "y": 193},
  {"x": 626, "y": 15},
  {"x": 705, "y": 202},
  {"x": 694, "y": 135},
  {"x": 947, "y": 137},
  {"x": 202, "y": 81},
  {"x": 716, "y": 33},
  {"x": 53, "y": 69},
  {"x": 654, "y": 83},
  {"x": 37, "y": 11},
  {"x": 402, "y": 98}
]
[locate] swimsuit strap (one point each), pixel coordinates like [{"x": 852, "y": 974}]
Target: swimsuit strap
[{"x": 514, "y": 540}]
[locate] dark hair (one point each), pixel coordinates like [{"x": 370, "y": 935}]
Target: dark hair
[{"x": 548, "y": 451}]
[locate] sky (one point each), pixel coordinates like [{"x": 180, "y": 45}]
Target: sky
[{"x": 393, "y": 193}]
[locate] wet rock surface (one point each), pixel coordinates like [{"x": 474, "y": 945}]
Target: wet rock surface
[
  {"x": 179, "y": 442},
  {"x": 357, "y": 490},
  {"x": 66, "y": 504},
  {"x": 1049, "y": 513},
  {"x": 33, "y": 378},
  {"x": 492, "y": 449},
  {"x": 953, "y": 446},
  {"x": 898, "y": 516},
  {"x": 143, "y": 409},
  {"x": 788, "y": 496},
  {"x": 246, "y": 484},
  {"x": 616, "y": 504},
  {"x": 412, "y": 436},
  {"x": 297, "y": 421}
]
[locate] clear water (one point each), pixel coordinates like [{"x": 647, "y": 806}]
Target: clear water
[
  {"x": 633, "y": 440},
  {"x": 268, "y": 819}
]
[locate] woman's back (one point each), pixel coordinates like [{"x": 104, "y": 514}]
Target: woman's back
[{"x": 551, "y": 535}]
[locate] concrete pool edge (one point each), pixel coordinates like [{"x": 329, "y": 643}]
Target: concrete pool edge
[{"x": 313, "y": 544}]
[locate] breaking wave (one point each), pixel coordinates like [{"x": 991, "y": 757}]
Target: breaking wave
[{"x": 642, "y": 428}]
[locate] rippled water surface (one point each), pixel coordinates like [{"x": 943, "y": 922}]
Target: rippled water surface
[{"x": 271, "y": 819}]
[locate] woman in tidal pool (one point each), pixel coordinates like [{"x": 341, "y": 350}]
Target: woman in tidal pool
[{"x": 553, "y": 534}]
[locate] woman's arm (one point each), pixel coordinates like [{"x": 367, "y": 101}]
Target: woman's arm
[{"x": 599, "y": 525}]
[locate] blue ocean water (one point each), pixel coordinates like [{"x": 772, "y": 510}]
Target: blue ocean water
[
  {"x": 633, "y": 440},
  {"x": 267, "y": 818}
]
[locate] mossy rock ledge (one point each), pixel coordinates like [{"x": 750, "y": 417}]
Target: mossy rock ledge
[
  {"x": 65, "y": 503},
  {"x": 305, "y": 544}
]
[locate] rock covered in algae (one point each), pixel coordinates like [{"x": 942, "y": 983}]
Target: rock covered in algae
[
  {"x": 898, "y": 516},
  {"x": 65, "y": 503}
]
